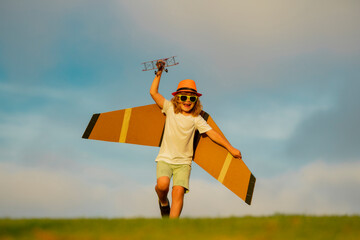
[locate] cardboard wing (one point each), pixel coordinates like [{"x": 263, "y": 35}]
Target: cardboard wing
[{"x": 145, "y": 126}]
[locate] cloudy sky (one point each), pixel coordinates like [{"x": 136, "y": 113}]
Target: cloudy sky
[{"x": 280, "y": 78}]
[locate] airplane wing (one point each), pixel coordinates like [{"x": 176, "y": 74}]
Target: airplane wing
[
  {"x": 151, "y": 65},
  {"x": 145, "y": 125}
]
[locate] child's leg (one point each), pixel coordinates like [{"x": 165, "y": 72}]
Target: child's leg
[
  {"x": 162, "y": 189},
  {"x": 177, "y": 201},
  {"x": 163, "y": 176},
  {"x": 181, "y": 175}
]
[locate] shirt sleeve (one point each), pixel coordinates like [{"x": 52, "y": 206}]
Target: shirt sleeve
[
  {"x": 166, "y": 106},
  {"x": 201, "y": 125}
]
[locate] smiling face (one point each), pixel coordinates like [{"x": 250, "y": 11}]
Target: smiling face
[{"x": 187, "y": 105}]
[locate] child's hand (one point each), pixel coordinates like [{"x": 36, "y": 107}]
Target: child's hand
[
  {"x": 235, "y": 152},
  {"x": 160, "y": 65}
]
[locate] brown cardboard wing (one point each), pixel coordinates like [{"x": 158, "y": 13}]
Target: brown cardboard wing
[
  {"x": 220, "y": 164},
  {"x": 139, "y": 125},
  {"x": 145, "y": 125}
]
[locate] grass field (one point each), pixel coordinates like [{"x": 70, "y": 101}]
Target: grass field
[{"x": 273, "y": 227}]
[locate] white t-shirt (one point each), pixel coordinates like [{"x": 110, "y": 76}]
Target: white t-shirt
[{"x": 178, "y": 138}]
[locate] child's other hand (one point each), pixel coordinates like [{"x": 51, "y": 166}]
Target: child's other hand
[{"x": 236, "y": 153}]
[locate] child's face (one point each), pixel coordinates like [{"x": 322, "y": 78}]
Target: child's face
[{"x": 187, "y": 105}]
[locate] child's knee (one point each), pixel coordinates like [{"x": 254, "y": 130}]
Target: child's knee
[
  {"x": 163, "y": 184},
  {"x": 162, "y": 188}
]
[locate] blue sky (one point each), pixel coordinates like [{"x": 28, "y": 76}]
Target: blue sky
[{"x": 280, "y": 78}]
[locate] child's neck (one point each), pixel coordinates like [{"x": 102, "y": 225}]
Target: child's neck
[{"x": 185, "y": 113}]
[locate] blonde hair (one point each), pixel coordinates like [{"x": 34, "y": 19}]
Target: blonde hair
[{"x": 195, "y": 111}]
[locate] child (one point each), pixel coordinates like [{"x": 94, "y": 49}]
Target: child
[{"x": 176, "y": 151}]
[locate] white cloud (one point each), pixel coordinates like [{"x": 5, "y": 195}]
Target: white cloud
[
  {"x": 41, "y": 192},
  {"x": 318, "y": 188}
]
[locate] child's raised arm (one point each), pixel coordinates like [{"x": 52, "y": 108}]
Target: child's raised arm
[{"x": 154, "y": 89}]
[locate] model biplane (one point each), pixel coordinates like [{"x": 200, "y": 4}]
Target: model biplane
[
  {"x": 145, "y": 125},
  {"x": 151, "y": 65}
]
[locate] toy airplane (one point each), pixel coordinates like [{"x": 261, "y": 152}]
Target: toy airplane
[
  {"x": 151, "y": 65},
  {"x": 145, "y": 125}
]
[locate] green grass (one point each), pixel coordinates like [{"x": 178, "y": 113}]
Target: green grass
[{"x": 273, "y": 227}]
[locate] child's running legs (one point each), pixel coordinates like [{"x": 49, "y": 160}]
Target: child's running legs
[
  {"x": 180, "y": 174},
  {"x": 162, "y": 189}
]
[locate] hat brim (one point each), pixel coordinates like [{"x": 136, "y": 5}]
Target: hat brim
[{"x": 196, "y": 93}]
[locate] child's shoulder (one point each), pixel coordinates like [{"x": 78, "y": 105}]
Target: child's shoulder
[{"x": 167, "y": 105}]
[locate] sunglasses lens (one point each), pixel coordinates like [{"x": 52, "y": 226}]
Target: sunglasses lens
[
  {"x": 183, "y": 98},
  {"x": 192, "y": 99}
]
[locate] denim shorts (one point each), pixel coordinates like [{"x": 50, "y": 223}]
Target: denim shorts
[{"x": 179, "y": 172}]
